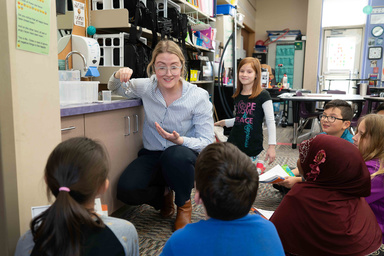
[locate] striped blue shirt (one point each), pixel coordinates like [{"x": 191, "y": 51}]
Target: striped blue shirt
[{"x": 191, "y": 115}]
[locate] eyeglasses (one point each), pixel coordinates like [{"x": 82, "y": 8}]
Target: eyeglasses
[
  {"x": 330, "y": 119},
  {"x": 162, "y": 70}
]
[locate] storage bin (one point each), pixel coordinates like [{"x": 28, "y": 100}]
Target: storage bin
[
  {"x": 112, "y": 48},
  {"x": 291, "y": 35},
  {"x": 78, "y": 92},
  {"x": 226, "y": 9},
  {"x": 69, "y": 75}
]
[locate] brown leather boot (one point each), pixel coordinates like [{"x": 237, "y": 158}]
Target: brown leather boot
[
  {"x": 183, "y": 216},
  {"x": 168, "y": 209}
]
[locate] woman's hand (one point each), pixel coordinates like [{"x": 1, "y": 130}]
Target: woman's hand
[
  {"x": 290, "y": 181},
  {"x": 124, "y": 74},
  {"x": 172, "y": 137},
  {"x": 271, "y": 154},
  {"x": 220, "y": 123}
]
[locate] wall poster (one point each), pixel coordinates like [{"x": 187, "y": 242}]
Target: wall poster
[{"x": 33, "y": 25}]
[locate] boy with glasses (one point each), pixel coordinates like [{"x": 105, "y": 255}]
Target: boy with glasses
[{"x": 336, "y": 119}]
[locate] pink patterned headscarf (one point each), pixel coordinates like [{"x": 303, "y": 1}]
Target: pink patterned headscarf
[
  {"x": 334, "y": 162},
  {"x": 331, "y": 215}
]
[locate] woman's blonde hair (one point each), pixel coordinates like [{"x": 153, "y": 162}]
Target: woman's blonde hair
[
  {"x": 256, "y": 88},
  {"x": 374, "y": 132},
  {"x": 166, "y": 46}
]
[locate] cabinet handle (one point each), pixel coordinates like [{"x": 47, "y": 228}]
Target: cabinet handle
[
  {"x": 137, "y": 124},
  {"x": 68, "y": 128},
  {"x": 129, "y": 126}
]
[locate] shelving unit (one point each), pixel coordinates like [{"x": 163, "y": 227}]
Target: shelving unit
[
  {"x": 193, "y": 10},
  {"x": 114, "y": 21}
]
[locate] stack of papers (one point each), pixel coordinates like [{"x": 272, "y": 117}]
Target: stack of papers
[{"x": 274, "y": 175}]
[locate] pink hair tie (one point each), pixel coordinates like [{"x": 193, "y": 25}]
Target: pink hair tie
[{"x": 64, "y": 189}]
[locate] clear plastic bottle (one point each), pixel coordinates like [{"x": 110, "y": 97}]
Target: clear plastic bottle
[{"x": 284, "y": 81}]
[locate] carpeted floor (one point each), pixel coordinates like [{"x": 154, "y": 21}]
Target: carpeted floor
[{"x": 154, "y": 231}]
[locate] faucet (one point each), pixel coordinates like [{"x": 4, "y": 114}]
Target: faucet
[{"x": 78, "y": 53}]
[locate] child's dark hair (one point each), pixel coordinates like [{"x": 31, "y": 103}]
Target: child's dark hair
[
  {"x": 379, "y": 108},
  {"x": 79, "y": 166},
  {"x": 345, "y": 108},
  {"x": 227, "y": 181}
]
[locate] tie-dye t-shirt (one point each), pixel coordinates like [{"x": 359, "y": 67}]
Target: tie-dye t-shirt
[{"x": 247, "y": 132}]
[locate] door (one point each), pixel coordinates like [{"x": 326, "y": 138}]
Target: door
[{"x": 341, "y": 58}]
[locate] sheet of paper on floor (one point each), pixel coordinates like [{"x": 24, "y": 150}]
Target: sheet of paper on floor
[{"x": 267, "y": 214}]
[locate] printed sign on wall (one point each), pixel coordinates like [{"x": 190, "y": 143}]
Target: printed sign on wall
[
  {"x": 33, "y": 25},
  {"x": 79, "y": 14}
]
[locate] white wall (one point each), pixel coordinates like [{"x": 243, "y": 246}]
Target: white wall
[
  {"x": 280, "y": 14},
  {"x": 29, "y": 125},
  {"x": 304, "y": 15}
]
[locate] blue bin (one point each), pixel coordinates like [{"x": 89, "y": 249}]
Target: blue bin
[{"x": 226, "y": 9}]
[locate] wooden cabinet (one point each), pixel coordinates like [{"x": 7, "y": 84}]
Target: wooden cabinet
[
  {"x": 72, "y": 126},
  {"x": 120, "y": 131}
]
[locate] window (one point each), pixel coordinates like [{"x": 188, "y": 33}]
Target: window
[{"x": 343, "y": 13}]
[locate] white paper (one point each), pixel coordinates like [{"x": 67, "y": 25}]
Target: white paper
[
  {"x": 267, "y": 214},
  {"x": 273, "y": 174}
]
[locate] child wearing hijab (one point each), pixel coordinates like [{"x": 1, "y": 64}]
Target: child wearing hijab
[
  {"x": 335, "y": 121},
  {"x": 328, "y": 214},
  {"x": 369, "y": 139}
]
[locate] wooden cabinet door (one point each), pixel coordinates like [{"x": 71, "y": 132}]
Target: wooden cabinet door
[
  {"x": 72, "y": 126},
  {"x": 122, "y": 137}
]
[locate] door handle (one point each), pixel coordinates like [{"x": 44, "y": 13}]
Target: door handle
[
  {"x": 129, "y": 126},
  {"x": 137, "y": 124},
  {"x": 68, "y": 128}
]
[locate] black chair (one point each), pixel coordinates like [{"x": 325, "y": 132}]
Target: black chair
[
  {"x": 306, "y": 115},
  {"x": 355, "y": 119}
]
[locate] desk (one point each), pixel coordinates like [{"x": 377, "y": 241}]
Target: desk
[
  {"x": 371, "y": 99},
  {"x": 275, "y": 92},
  {"x": 346, "y": 79},
  {"x": 311, "y": 97}
]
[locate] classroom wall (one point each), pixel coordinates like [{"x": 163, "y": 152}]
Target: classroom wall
[
  {"x": 278, "y": 15},
  {"x": 248, "y": 8},
  {"x": 29, "y": 125},
  {"x": 304, "y": 15},
  {"x": 312, "y": 50}
]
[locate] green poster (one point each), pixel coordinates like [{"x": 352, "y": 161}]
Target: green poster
[{"x": 33, "y": 25}]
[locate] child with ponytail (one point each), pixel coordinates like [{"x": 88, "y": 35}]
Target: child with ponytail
[{"x": 76, "y": 172}]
